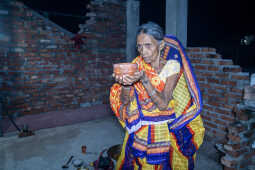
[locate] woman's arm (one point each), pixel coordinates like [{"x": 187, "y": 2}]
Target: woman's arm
[
  {"x": 126, "y": 82},
  {"x": 161, "y": 99},
  {"x": 125, "y": 95},
  {"x": 125, "y": 99}
]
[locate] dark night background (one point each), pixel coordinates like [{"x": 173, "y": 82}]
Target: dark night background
[{"x": 213, "y": 23}]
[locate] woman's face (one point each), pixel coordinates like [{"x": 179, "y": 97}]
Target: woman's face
[{"x": 148, "y": 47}]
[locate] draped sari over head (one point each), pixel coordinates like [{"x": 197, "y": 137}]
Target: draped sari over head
[{"x": 161, "y": 138}]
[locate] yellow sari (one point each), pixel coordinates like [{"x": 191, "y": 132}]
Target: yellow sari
[{"x": 158, "y": 139}]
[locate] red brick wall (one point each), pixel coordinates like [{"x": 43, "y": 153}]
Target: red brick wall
[
  {"x": 41, "y": 70},
  {"x": 221, "y": 84}
]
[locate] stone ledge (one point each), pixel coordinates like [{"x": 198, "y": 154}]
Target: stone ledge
[{"x": 58, "y": 118}]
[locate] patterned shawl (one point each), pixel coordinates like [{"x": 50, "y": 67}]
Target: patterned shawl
[{"x": 148, "y": 126}]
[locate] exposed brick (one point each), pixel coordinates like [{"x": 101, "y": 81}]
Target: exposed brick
[
  {"x": 206, "y": 117},
  {"x": 213, "y": 115},
  {"x": 221, "y": 75},
  {"x": 228, "y": 107},
  {"x": 221, "y": 122},
  {"x": 223, "y": 128},
  {"x": 240, "y": 77},
  {"x": 222, "y": 111},
  {"x": 228, "y": 162},
  {"x": 201, "y": 79},
  {"x": 204, "y": 86},
  {"x": 219, "y": 134},
  {"x": 200, "y": 67},
  {"x": 53, "y": 70},
  {"x": 212, "y": 91},
  {"x": 227, "y": 168},
  {"x": 206, "y": 61},
  {"x": 234, "y": 96},
  {"x": 225, "y": 62},
  {"x": 237, "y": 128},
  {"x": 212, "y": 80},
  {"x": 213, "y": 68},
  {"x": 217, "y": 99},
  {"x": 228, "y": 82},
  {"x": 214, "y": 103},
  {"x": 213, "y": 56},
  {"x": 196, "y": 55},
  {"x": 211, "y": 50},
  {"x": 208, "y": 107},
  {"x": 210, "y": 125},
  {"x": 234, "y": 138},
  {"x": 229, "y": 119},
  {"x": 233, "y": 147},
  {"x": 206, "y": 74},
  {"x": 237, "y": 153},
  {"x": 195, "y": 60},
  {"x": 236, "y": 90},
  {"x": 232, "y": 69},
  {"x": 193, "y": 50}
]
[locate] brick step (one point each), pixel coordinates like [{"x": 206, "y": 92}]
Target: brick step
[
  {"x": 210, "y": 61},
  {"x": 198, "y": 50}
]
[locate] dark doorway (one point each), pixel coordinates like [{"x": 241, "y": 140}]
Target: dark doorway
[
  {"x": 222, "y": 25},
  {"x": 152, "y": 10},
  {"x": 67, "y": 14}
]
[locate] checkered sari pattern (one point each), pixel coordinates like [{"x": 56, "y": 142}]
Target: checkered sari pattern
[{"x": 161, "y": 139}]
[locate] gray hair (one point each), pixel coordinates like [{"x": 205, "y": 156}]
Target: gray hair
[{"x": 152, "y": 29}]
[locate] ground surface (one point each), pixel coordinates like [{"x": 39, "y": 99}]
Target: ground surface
[{"x": 50, "y": 148}]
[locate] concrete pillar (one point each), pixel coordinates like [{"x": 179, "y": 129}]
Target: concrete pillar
[
  {"x": 176, "y": 19},
  {"x": 133, "y": 16}
]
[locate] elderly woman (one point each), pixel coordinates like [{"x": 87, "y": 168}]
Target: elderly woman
[{"x": 158, "y": 105}]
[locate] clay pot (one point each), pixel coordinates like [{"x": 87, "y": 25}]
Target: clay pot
[
  {"x": 83, "y": 149},
  {"x": 124, "y": 68}
]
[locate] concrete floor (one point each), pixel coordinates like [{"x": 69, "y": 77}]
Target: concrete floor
[{"x": 50, "y": 148}]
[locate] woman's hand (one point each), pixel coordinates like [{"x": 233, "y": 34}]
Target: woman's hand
[{"x": 127, "y": 79}]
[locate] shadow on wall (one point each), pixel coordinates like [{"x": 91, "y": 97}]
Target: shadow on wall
[{"x": 65, "y": 13}]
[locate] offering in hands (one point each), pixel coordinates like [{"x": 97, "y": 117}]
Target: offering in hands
[{"x": 121, "y": 69}]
